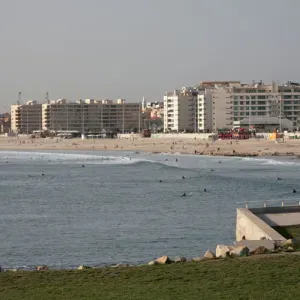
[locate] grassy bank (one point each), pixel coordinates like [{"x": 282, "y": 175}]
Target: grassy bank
[
  {"x": 271, "y": 277},
  {"x": 289, "y": 232}
]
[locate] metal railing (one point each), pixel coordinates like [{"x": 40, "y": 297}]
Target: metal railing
[{"x": 278, "y": 202}]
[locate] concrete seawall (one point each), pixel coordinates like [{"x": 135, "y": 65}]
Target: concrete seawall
[{"x": 250, "y": 227}]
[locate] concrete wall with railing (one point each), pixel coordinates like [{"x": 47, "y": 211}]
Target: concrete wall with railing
[{"x": 250, "y": 227}]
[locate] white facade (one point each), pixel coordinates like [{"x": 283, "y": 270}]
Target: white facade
[
  {"x": 194, "y": 110},
  {"x": 180, "y": 111},
  {"x": 204, "y": 106}
]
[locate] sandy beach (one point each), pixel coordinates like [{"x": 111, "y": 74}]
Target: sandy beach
[{"x": 251, "y": 147}]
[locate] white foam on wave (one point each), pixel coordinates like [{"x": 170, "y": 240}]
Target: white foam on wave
[
  {"x": 78, "y": 158},
  {"x": 269, "y": 161}
]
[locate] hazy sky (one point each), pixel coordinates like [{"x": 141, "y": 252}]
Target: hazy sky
[{"x": 130, "y": 48}]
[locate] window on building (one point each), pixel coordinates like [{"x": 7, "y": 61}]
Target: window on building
[
  {"x": 253, "y": 97},
  {"x": 241, "y": 97},
  {"x": 247, "y": 102},
  {"x": 261, "y": 97},
  {"x": 235, "y": 103}
]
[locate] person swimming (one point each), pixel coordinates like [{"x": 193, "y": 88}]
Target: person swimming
[
  {"x": 294, "y": 191},
  {"x": 278, "y": 178},
  {"x": 183, "y": 195},
  {"x": 183, "y": 177},
  {"x": 204, "y": 190}
]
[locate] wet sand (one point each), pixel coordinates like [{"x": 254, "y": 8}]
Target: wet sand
[{"x": 251, "y": 147}]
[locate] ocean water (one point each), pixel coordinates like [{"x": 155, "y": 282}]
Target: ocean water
[{"x": 116, "y": 210}]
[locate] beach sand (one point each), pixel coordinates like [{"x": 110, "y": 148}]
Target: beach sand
[{"x": 250, "y": 147}]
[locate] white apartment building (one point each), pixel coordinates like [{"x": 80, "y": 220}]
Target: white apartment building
[
  {"x": 197, "y": 110},
  {"x": 83, "y": 116},
  {"x": 180, "y": 110},
  {"x": 26, "y": 118},
  {"x": 219, "y": 104},
  {"x": 204, "y": 108}
]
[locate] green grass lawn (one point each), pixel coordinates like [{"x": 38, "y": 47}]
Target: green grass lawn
[
  {"x": 271, "y": 277},
  {"x": 289, "y": 232}
]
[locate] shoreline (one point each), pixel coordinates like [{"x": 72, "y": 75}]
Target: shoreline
[{"x": 225, "y": 148}]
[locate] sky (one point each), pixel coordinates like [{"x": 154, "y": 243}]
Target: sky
[{"x": 109, "y": 49}]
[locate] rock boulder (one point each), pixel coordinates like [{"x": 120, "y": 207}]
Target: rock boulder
[
  {"x": 120, "y": 266},
  {"x": 239, "y": 251},
  {"x": 42, "y": 268},
  {"x": 163, "y": 260},
  {"x": 180, "y": 260},
  {"x": 295, "y": 243},
  {"x": 152, "y": 263},
  {"x": 208, "y": 254},
  {"x": 259, "y": 250},
  {"x": 222, "y": 251}
]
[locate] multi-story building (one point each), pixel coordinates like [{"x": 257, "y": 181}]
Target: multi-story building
[
  {"x": 5, "y": 123},
  {"x": 254, "y": 100},
  {"x": 83, "y": 116},
  {"x": 214, "y": 105},
  {"x": 26, "y": 118},
  {"x": 273, "y": 100},
  {"x": 180, "y": 110},
  {"x": 289, "y": 94},
  {"x": 199, "y": 109}
]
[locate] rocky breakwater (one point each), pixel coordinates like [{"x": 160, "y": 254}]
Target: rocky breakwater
[{"x": 242, "y": 248}]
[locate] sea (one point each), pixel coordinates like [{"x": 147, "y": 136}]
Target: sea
[{"x": 65, "y": 209}]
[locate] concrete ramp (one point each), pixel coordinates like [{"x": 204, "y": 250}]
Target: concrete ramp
[{"x": 250, "y": 226}]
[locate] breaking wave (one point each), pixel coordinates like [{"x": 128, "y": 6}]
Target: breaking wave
[
  {"x": 269, "y": 161},
  {"x": 65, "y": 158}
]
